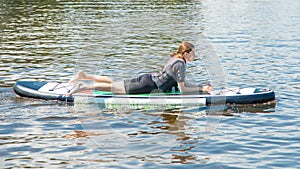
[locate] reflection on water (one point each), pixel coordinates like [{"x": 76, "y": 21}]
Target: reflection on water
[
  {"x": 256, "y": 41},
  {"x": 45, "y": 41}
]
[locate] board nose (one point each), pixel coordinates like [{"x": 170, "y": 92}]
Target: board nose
[{"x": 30, "y": 84}]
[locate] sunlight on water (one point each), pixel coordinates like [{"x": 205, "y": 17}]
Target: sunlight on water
[{"x": 239, "y": 43}]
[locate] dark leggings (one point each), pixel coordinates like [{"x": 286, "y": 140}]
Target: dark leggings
[{"x": 140, "y": 85}]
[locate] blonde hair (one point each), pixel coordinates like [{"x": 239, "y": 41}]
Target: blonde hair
[{"x": 183, "y": 48}]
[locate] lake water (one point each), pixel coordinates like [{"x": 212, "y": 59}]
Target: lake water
[{"x": 239, "y": 43}]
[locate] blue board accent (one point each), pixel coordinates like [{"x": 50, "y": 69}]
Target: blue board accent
[{"x": 31, "y": 84}]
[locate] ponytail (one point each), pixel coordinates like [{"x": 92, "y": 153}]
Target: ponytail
[
  {"x": 183, "y": 48},
  {"x": 173, "y": 54}
]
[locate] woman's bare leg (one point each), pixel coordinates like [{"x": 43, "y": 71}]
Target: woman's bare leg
[
  {"x": 98, "y": 79},
  {"x": 117, "y": 88}
]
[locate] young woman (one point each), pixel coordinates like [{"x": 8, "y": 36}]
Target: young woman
[{"x": 172, "y": 75}]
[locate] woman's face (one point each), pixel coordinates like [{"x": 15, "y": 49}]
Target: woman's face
[{"x": 190, "y": 56}]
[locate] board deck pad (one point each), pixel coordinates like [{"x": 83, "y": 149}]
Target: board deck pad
[{"x": 98, "y": 92}]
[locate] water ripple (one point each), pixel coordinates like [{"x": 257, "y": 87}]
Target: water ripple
[{"x": 258, "y": 45}]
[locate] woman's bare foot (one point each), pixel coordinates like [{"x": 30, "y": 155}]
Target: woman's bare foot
[
  {"x": 78, "y": 88},
  {"x": 79, "y": 76}
]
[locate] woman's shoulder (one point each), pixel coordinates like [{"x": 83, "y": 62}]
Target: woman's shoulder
[
  {"x": 178, "y": 64},
  {"x": 174, "y": 60}
]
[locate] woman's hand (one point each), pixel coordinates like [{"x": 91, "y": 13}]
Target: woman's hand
[
  {"x": 185, "y": 89},
  {"x": 207, "y": 88}
]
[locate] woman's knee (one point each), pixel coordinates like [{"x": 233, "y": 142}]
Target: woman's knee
[{"x": 118, "y": 87}]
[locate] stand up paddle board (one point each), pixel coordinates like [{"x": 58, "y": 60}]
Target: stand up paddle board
[{"x": 57, "y": 91}]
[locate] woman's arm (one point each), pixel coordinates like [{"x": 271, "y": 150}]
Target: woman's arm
[
  {"x": 179, "y": 71},
  {"x": 185, "y": 89}
]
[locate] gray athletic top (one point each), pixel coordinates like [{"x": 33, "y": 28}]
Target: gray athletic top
[{"x": 173, "y": 72}]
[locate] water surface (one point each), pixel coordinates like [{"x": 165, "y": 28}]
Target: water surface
[{"x": 241, "y": 43}]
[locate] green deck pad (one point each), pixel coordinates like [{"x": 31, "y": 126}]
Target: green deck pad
[{"x": 151, "y": 94}]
